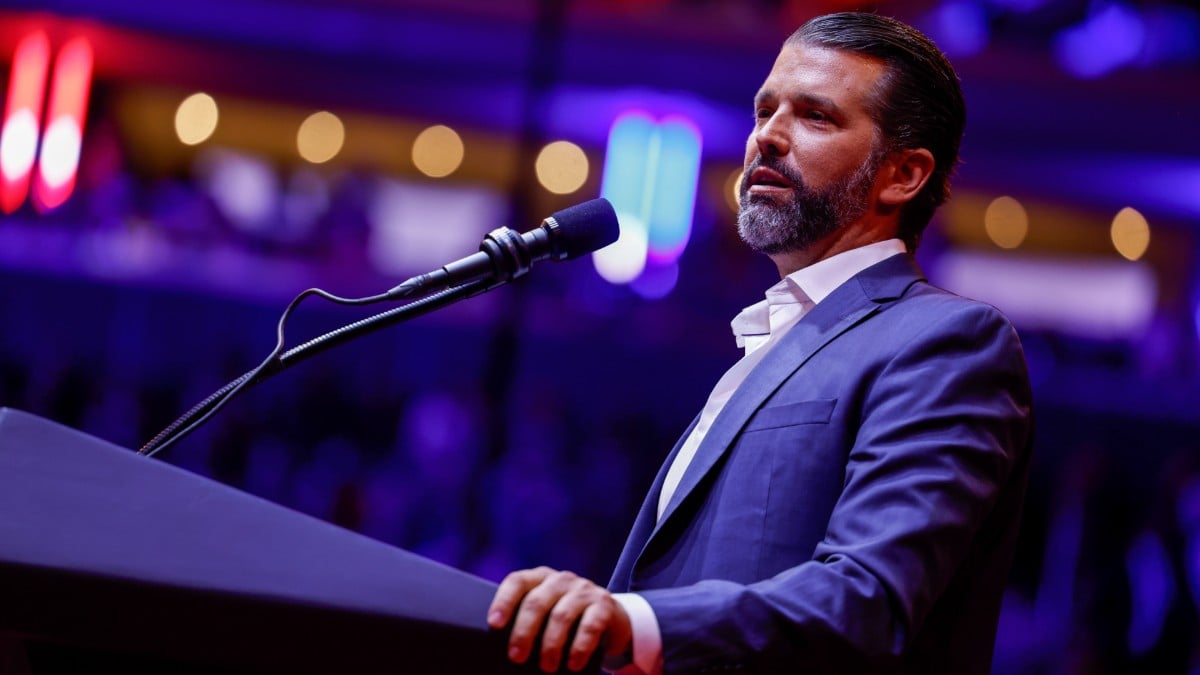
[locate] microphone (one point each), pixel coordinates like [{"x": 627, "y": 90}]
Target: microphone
[{"x": 506, "y": 254}]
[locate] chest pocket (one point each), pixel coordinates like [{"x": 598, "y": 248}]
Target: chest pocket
[{"x": 819, "y": 411}]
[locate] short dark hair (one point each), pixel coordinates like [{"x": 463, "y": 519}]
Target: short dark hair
[{"x": 919, "y": 103}]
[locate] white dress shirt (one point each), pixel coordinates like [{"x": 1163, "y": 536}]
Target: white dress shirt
[{"x": 757, "y": 328}]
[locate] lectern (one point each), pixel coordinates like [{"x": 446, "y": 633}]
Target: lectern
[{"x": 112, "y": 562}]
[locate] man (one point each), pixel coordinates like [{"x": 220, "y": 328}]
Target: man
[{"x": 848, "y": 500}]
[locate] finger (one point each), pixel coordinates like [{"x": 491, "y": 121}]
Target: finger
[
  {"x": 535, "y": 607},
  {"x": 563, "y": 616},
  {"x": 509, "y": 593},
  {"x": 592, "y": 626}
]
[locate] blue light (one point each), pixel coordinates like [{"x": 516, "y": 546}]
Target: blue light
[
  {"x": 651, "y": 172},
  {"x": 960, "y": 28},
  {"x": 1109, "y": 39},
  {"x": 656, "y": 282},
  {"x": 626, "y": 173},
  {"x": 626, "y": 169},
  {"x": 1172, "y": 34},
  {"x": 1151, "y": 588},
  {"x": 673, "y": 199}
]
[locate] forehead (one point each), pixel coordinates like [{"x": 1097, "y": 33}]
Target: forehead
[{"x": 847, "y": 78}]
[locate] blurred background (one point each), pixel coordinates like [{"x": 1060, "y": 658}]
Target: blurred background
[{"x": 171, "y": 174}]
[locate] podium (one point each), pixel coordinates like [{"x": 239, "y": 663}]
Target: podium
[{"x": 113, "y": 562}]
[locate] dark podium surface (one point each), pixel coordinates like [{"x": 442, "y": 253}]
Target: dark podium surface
[{"x": 110, "y": 560}]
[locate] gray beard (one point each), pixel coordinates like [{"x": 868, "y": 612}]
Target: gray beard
[{"x": 770, "y": 226}]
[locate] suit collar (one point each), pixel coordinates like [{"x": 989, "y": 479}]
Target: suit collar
[{"x": 849, "y": 304}]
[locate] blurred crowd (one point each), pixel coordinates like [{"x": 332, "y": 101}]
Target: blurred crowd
[{"x": 416, "y": 441}]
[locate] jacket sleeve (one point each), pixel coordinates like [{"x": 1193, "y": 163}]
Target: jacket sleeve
[{"x": 941, "y": 428}]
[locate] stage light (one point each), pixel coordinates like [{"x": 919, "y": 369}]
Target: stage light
[
  {"x": 1130, "y": 233},
  {"x": 959, "y": 28},
  {"x": 438, "y": 151},
  {"x": 650, "y": 176},
  {"x": 674, "y": 189},
  {"x": 320, "y": 137},
  {"x": 562, "y": 167},
  {"x": 1006, "y": 222},
  {"x": 401, "y": 214},
  {"x": 1111, "y": 37},
  {"x": 624, "y": 260},
  {"x": 196, "y": 118},
  {"x": 1097, "y": 297},
  {"x": 245, "y": 188},
  {"x": 19, "y": 138},
  {"x": 58, "y": 160}
]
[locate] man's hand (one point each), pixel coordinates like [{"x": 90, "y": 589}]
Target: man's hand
[{"x": 559, "y": 599}]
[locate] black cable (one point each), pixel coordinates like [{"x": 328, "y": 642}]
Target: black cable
[{"x": 277, "y": 360}]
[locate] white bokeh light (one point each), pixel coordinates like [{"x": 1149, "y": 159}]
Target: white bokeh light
[
  {"x": 18, "y": 144},
  {"x": 60, "y": 152},
  {"x": 622, "y": 261}
]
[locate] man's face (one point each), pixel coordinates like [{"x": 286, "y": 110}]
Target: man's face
[{"x": 812, "y": 159}]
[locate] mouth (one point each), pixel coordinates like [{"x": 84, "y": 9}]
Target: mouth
[{"x": 766, "y": 180}]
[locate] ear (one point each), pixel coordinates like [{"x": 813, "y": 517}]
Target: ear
[{"x": 905, "y": 173}]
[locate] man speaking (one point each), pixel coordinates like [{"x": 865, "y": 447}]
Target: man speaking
[{"x": 848, "y": 499}]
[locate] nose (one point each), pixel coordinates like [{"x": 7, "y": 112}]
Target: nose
[{"x": 772, "y": 138}]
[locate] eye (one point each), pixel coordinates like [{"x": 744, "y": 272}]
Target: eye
[
  {"x": 762, "y": 113},
  {"x": 816, "y": 116}
]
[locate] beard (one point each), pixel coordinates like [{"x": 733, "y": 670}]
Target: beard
[{"x": 809, "y": 215}]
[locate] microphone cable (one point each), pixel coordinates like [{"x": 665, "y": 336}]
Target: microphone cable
[{"x": 277, "y": 360}]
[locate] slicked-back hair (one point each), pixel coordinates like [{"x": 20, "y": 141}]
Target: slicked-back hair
[{"x": 918, "y": 102}]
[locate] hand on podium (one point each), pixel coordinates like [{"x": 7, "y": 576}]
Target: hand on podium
[{"x": 552, "y": 603}]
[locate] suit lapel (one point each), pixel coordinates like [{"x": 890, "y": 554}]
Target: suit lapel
[
  {"x": 644, "y": 524},
  {"x": 851, "y": 303}
]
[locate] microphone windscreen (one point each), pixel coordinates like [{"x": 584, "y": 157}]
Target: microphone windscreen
[{"x": 586, "y": 227}]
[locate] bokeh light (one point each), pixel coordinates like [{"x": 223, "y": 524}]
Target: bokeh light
[
  {"x": 19, "y": 139},
  {"x": 438, "y": 151},
  {"x": 60, "y": 152},
  {"x": 733, "y": 186},
  {"x": 622, "y": 261},
  {"x": 18, "y": 145},
  {"x": 320, "y": 137},
  {"x": 960, "y": 28},
  {"x": 1109, "y": 38},
  {"x": 66, "y": 112},
  {"x": 562, "y": 167},
  {"x": 1130, "y": 233},
  {"x": 196, "y": 118},
  {"x": 650, "y": 175},
  {"x": 1006, "y": 222}
]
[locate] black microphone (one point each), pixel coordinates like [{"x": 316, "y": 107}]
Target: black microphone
[{"x": 506, "y": 254}]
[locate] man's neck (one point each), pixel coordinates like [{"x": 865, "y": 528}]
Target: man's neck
[{"x": 855, "y": 235}]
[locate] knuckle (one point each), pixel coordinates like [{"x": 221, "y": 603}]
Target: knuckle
[
  {"x": 561, "y": 613},
  {"x": 563, "y": 577},
  {"x": 536, "y": 603},
  {"x": 593, "y": 622}
]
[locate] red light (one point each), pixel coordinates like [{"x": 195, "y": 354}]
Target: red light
[
  {"x": 19, "y": 139},
  {"x": 59, "y": 157}
]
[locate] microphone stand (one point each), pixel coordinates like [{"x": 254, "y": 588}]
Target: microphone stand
[{"x": 199, "y": 413}]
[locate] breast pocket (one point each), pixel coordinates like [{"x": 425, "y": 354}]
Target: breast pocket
[{"x": 792, "y": 414}]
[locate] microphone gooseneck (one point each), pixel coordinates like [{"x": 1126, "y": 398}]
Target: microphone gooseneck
[{"x": 504, "y": 255}]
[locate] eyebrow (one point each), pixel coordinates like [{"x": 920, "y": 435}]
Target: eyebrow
[{"x": 812, "y": 100}]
